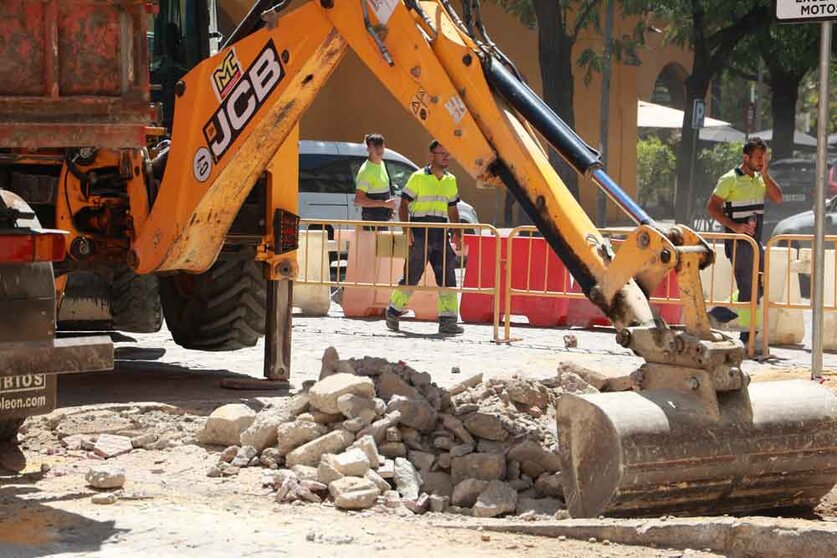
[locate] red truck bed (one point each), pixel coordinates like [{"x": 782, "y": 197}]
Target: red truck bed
[{"x": 73, "y": 73}]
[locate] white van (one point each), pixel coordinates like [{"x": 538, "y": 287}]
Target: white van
[{"x": 327, "y": 171}]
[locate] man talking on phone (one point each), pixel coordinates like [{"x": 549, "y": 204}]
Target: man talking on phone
[{"x": 737, "y": 203}]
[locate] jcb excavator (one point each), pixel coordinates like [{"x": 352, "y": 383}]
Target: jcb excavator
[{"x": 213, "y": 208}]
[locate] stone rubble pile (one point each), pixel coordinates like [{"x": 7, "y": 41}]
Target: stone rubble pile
[{"x": 375, "y": 433}]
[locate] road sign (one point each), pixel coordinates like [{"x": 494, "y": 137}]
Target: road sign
[
  {"x": 794, "y": 11},
  {"x": 698, "y": 114},
  {"x": 750, "y": 116}
]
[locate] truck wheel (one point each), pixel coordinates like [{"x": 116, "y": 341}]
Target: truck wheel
[
  {"x": 9, "y": 428},
  {"x": 222, "y": 309},
  {"x": 135, "y": 302}
]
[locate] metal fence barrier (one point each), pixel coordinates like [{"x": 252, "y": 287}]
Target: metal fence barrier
[
  {"x": 373, "y": 256},
  {"x": 789, "y": 295},
  {"x": 667, "y": 292}
]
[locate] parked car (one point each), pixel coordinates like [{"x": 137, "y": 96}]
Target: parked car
[{"x": 327, "y": 171}]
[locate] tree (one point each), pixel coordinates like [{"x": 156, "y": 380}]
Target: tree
[
  {"x": 711, "y": 29},
  {"x": 559, "y": 24},
  {"x": 789, "y": 54}
]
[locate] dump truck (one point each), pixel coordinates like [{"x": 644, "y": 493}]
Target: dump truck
[{"x": 201, "y": 196}]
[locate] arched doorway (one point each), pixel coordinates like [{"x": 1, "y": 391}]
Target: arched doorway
[{"x": 669, "y": 87}]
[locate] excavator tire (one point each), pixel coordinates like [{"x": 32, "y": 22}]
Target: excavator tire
[
  {"x": 222, "y": 309},
  {"x": 9, "y": 428},
  {"x": 135, "y": 302}
]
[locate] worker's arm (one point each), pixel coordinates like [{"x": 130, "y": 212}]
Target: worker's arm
[
  {"x": 774, "y": 192},
  {"x": 715, "y": 208},
  {"x": 362, "y": 200},
  {"x": 404, "y": 216},
  {"x": 453, "y": 217}
]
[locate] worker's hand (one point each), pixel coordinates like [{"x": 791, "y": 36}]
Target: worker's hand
[
  {"x": 748, "y": 228},
  {"x": 456, "y": 238},
  {"x": 392, "y": 204},
  {"x": 409, "y": 237},
  {"x": 764, "y": 171}
]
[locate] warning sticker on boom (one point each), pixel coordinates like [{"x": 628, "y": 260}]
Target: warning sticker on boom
[{"x": 383, "y": 9}]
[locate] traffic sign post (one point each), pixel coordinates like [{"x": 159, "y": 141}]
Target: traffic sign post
[
  {"x": 698, "y": 119},
  {"x": 796, "y": 11}
]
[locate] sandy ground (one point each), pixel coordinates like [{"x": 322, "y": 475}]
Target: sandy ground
[{"x": 169, "y": 507}]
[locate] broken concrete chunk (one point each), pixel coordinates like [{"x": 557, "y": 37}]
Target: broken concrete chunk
[
  {"x": 529, "y": 450},
  {"x": 393, "y": 449},
  {"x": 353, "y": 493},
  {"x": 354, "y": 425},
  {"x": 352, "y": 406},
  {"x": 143, "y": 440},
  {"x": 460, "y": 450},
  {"x": 352, "y": 463},
  {"x": 105, "y": 476},
  {"x": 393, "y": 434},
  {"x": 465, "y": 384},
  {"x": 370, "y": 448},
  {"x": 225, "y": 425},
  {"x": 330, "y": 360},
  {"x": 498, "y": 498},
  {"x": 327, "y": 471},
  {"x": 324, "y": 394},
  {"x": 378, "y": 428},
  {"x": 228, "y": 454},
  {"x": 549, "y": 484},
  {"x": 416, "y": 413},
  {"x": 291, "y": 435},
  {"x": 304, "y": 472},
  {"x": 380, "y": 482},
  {"x": 527, "y": 392},
  {"x": 311, "y": 452},
  {"x": 423, "y": 461},
  {"x": 542, "y": 506},
  {"x": 455, "y": 426},
  {"x": 111, "y": 445},
  {"x": 418, "y": 505},
  {"x": 387, "y": 470},
  {"x": 262, "y": 433},
  {"x": 244, "y": 455},
  {"x": 465, "y": 493},
  {"x": 407, "y": 479},
  {"x": 439, "y": 504},
  {"x": 483, "y": 466},
  {"x": 391, "y": 384},
  {"x": 437, "y": 483}
]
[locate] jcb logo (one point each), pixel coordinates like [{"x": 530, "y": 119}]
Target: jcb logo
[
  {"x": 243, "y": 102},
  {"x": 225, "y": 76}
]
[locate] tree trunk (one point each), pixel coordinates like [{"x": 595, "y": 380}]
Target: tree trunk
[
  {"x": 688, "y": 194},
  {"x": 784, "y": 92},
  {"x": 556, "y": 65}
]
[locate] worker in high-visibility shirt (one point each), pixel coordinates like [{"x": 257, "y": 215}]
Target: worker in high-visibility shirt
[
  {"x": 737, "y": 203},
  {"x": 430, "y": 196},
  {"x": 373, "y": 186}
]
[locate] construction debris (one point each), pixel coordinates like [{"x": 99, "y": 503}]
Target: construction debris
[{"x": 372, "y": 432}]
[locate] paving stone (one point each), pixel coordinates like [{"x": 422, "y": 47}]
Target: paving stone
[
  {"x": 483, "y": 466},
  {"x": 465, "y": 493},
  {"x": 225, "y": 425},
  {"x": 498, "y": 498},
  {"x": 111, "y": 445},
  {"x": 324, "y": 394},
  {"x": 353, "y": 493},
  {"x": 311, "y": 452}
]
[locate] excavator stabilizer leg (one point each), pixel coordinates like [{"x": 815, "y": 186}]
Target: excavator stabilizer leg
[{"x": 772, "y": 445}]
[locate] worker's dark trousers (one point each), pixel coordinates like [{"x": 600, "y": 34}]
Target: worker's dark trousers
[
  {"x": 438, "y": 251},
  {"x": 743, "y": 270}
]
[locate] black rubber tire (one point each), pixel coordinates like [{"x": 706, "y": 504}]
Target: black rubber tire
[
  {"x": 135, "y": 302},
  {"x": 222, "y": 309},
  {"x": 9, "y": 428}
]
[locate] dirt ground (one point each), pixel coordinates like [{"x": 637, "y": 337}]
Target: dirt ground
[{"x": 169, "y": 507}]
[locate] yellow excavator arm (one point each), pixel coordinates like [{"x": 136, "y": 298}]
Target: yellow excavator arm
[{"x": 692, "y": 437}]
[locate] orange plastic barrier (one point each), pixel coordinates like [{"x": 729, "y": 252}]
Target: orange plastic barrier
[
  {"x": 535, "y": 268},
  {"x": 365, "y": 266}
]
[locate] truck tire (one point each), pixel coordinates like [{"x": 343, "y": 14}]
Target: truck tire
[
  {"x": 9, "y": 428},
  {"x": 135, "y": 302},
  {"x": 222, "y": 309}
]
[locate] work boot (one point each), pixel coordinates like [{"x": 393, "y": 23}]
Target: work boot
[
  {"x": 449, "y": 326},
  {"x": 392, "y": 319}
]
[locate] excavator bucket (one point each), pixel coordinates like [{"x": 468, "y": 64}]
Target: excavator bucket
[{"x": 658, "y": 451}]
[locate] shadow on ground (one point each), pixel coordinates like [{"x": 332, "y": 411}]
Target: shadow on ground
[
  {"x": 138, "y": 378},
  {"x": 30, "y": 527}
]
